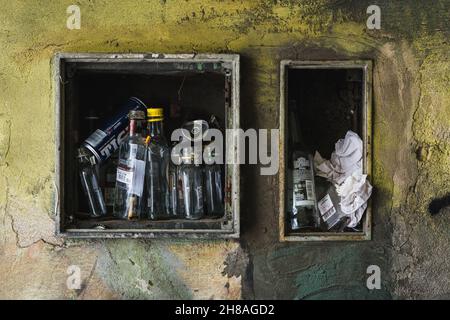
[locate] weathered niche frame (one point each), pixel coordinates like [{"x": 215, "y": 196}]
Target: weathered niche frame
[
  {"x": 229, "y": 225},
  {"x": 366, "y": 118}
]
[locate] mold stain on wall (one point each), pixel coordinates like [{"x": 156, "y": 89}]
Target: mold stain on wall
[{"x": 411, "y": 147}]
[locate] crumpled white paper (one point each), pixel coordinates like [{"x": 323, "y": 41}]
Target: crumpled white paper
[
  {"x": 354, "y": 193},
  {"x": 344, "y": 170},
  {"x": 346, "y": 159}
]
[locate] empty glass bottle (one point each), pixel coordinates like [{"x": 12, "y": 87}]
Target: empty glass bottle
[
  {"x": 157, "y": 193},
  {"x": 89, "y": 182},
  {"x": 213, "y": 185},
  {"x": 192, "y": 186},
  {"x": 131, "y": 170}
]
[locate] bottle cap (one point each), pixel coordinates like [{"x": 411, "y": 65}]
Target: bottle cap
[
  {"x": 136, "y": 115},
  {"x": 196, "y": 130},
  {"x": 155, "y": 114},
  {"x": 82, "y": 152}
]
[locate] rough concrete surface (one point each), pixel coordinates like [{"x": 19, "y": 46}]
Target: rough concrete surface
[{"x": 411, "y": 148}]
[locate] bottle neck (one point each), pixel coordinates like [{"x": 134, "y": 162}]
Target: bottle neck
[
  {"x": 132, "y": 127},
  {"x": 135, "y": 127},
  {"x": 155, "y": 129}
]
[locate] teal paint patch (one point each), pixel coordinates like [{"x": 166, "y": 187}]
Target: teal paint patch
[{"x": 342, "y": 277}]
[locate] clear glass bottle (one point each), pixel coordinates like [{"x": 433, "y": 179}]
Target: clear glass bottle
[
  {"x": 213, "y": 185},
  {"x": 192, "y": 187},
  {"x": 157, "y": 193},
  {"x": 303, "y": 201},
  {"x": 131, "y": 171},
  {"x": 89, "y": 182},
  {"x": 176, "y": 203}
]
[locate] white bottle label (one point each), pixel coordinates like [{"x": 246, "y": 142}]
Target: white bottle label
[
  {"x": 138, "y": 179},
  {"x": 133, "y": 150},
  {"x": 302, "y": 183},
  {"x": 124, "y": 176},
  {"x": 326, "y": 207}
]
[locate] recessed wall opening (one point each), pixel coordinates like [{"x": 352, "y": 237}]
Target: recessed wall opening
[
  {"x": 320, "y": 102},
  {"x": 92, "y": 87}
]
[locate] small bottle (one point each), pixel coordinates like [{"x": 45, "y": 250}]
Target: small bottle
[
  {"x": 213, "y": 185},
  {"x": 89, "y": 182},
  {"x": 192, "y": 186},
  {"x": 156, "y": 174},
  {"x": 303, "y": 200},
  {"x": 131, "y": 170}
]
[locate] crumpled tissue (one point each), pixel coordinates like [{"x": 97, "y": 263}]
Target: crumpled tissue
[{"x": 344, "y": 170}]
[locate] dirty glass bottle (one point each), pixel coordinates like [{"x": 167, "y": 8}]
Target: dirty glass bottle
[
  {"x": 89, "y": 182},
  {"x": 130, "y": 175},
  {"x": 192, "y": 186},
  {"x": 213, "y": 185},
  {"x": 156, "y": 175},
  {"x": 302, "y": 200}
]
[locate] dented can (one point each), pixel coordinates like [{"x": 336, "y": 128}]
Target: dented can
[{"x": 105, "y": 141}]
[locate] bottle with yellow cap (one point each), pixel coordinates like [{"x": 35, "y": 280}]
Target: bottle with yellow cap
[{"x": 156, "y": 176}]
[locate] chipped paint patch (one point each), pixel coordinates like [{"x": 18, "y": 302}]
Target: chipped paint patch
[{"x": 203, "y": 268}]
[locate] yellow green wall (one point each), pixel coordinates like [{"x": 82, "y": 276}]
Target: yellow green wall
[{"x": 411, "y": 149}]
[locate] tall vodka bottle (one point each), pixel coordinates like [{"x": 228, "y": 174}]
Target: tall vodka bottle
[
  {"x": 131, "y": 170},
  {"x": 303, "y": 201},
  {"x": 156, "y": 175},
  {"x": 89, "y": 182}
]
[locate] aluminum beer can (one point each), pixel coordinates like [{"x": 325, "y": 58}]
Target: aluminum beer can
[{"x": 105, "y": 141}]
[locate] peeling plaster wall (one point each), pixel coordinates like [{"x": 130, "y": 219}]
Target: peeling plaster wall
[{"x": 411, "y": 150}]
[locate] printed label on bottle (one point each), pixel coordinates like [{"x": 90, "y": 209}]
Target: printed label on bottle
[
  {"x": 138, "y": 179},
  {"x": 124, "y": 176},
  {"x": 304, "y": 168},
  {"x": 302, "y": 183},
  {"x": 326, "y": 207},
  {"x": 133, "y": 150}
]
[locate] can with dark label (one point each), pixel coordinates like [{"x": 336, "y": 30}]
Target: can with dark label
[{"x": 103, "y": 142}]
